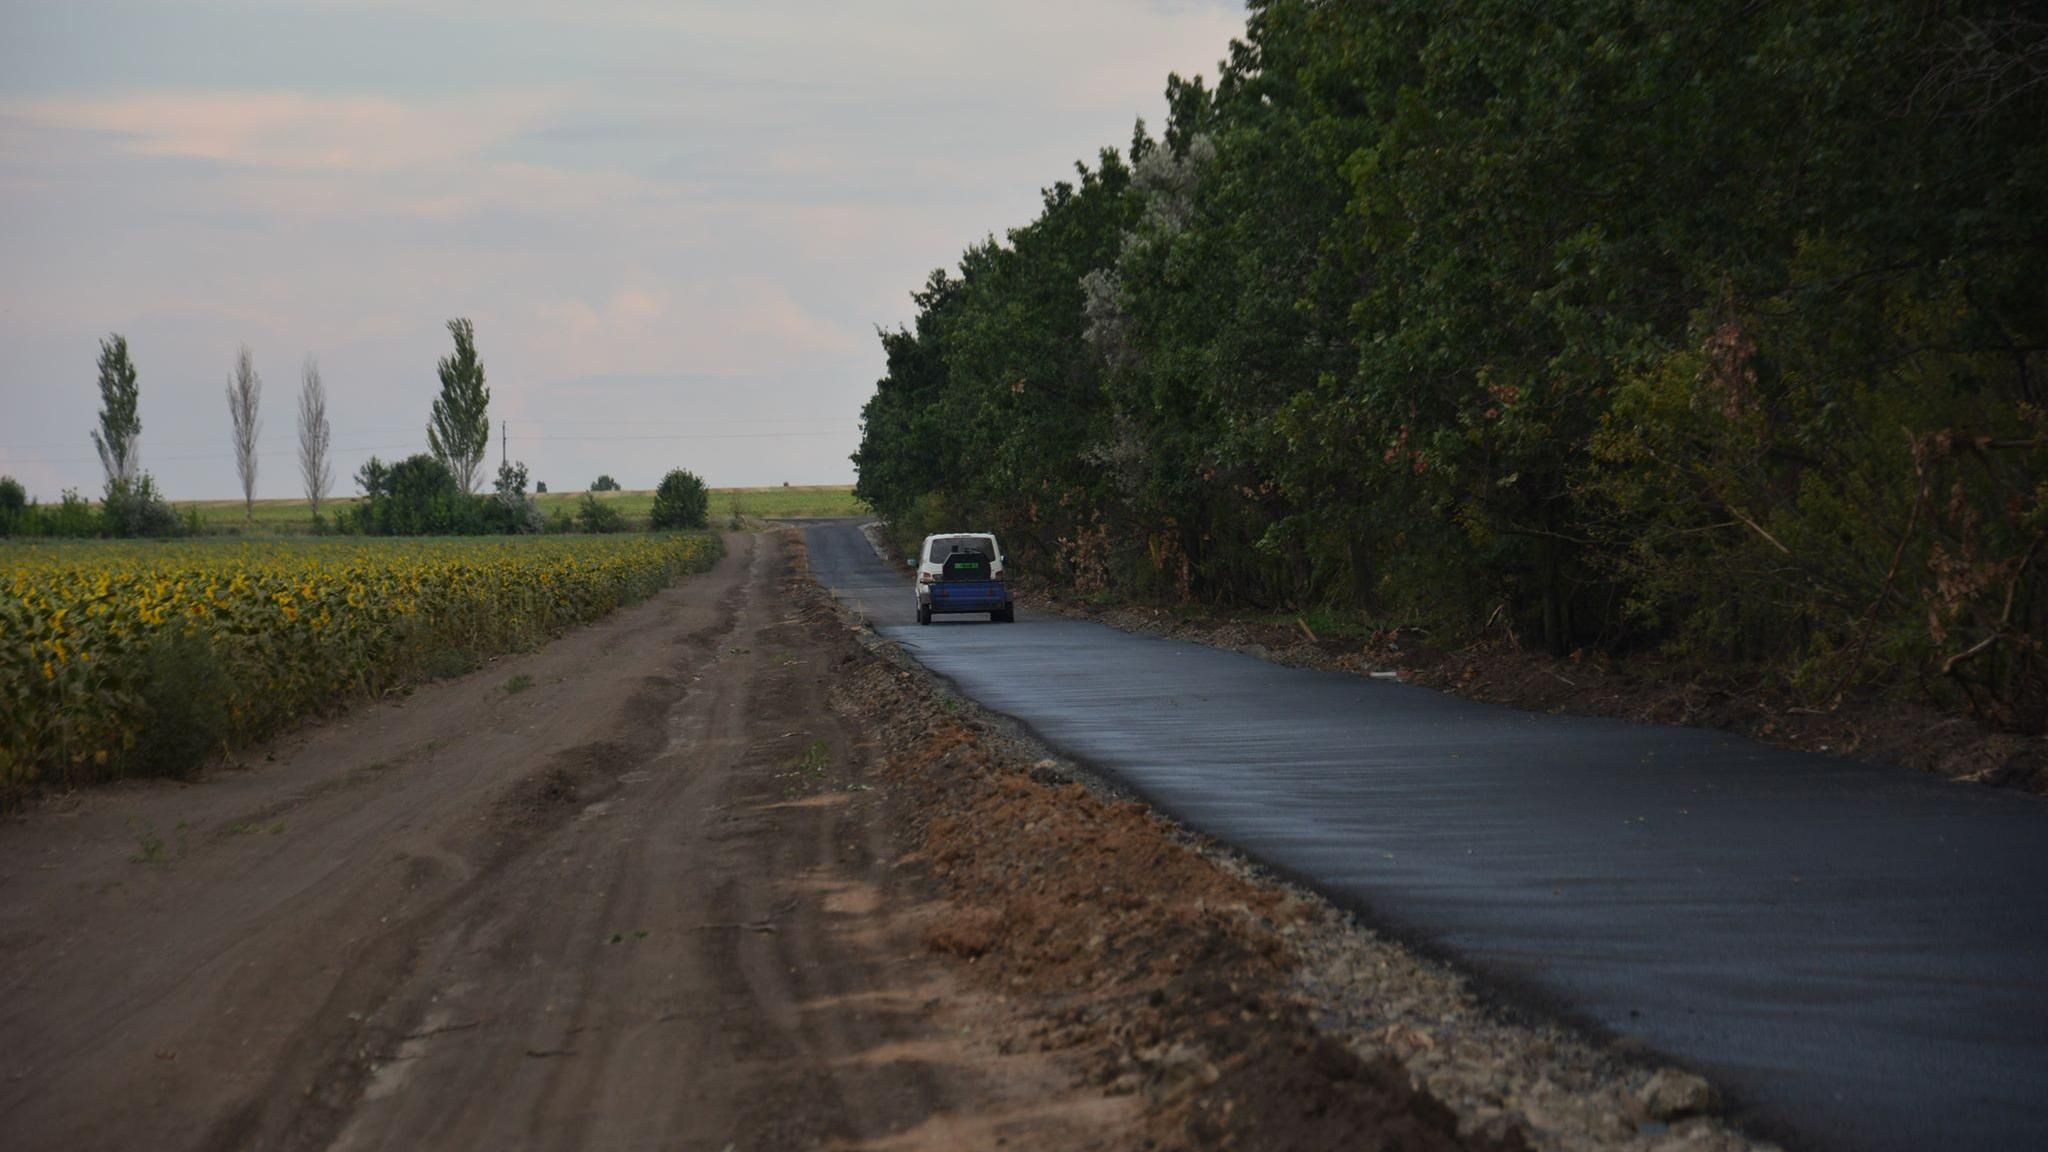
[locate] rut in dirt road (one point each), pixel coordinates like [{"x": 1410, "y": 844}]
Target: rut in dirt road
[{"x": 646, "y": 903}]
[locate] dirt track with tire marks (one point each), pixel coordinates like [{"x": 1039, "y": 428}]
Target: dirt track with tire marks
[
  {"x": 726, "y": 876},
  {"x": 637, "y": 905}
]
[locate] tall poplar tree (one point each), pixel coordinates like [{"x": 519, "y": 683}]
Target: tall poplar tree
[
  {"x": 120, "y": 423},
  {"x": 460, "y": 427},
  {"x": 245, "y": 399},
  {"x": 314, "y": 437}
]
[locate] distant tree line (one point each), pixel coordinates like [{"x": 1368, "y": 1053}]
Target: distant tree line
[
  {"x": 430, "y": 493},
  {"x": 434, "y": 493},
  {"x": 1713, "y": 330},
  {"x": 131, "y": 505}
]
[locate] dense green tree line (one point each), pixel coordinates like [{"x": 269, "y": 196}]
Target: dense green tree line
[{"x": 1713, "y": 329}]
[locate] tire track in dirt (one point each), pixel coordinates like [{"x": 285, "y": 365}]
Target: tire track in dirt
[
  {"x": 145, "y": 996},
  {"x": 649, "y": 902}
]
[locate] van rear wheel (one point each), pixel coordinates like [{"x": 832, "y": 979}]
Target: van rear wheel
[{"x": 924, "y": 614}]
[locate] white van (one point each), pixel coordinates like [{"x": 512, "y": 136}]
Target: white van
[{"x": 961, "y": 572}]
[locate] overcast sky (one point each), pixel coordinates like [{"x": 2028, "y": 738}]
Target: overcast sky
[{"x": 675, "y": 223}]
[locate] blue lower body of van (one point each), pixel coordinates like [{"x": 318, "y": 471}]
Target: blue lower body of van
[{"x": 968, "y": 596}]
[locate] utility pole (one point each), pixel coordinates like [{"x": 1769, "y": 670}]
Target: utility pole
[{"x": 502, "y": 450}]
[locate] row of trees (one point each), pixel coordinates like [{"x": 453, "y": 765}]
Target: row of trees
[
  {"x": 433, "y": 492},
  {"x": 458, "y": 433},
  {"x": 1717, "y": 330},
  {"x": 316, "y": 436},
  {"x": 421, "y": 496},
  {"x": 458, "y": 427},
  {"x": 436, "y": 492},
  {"x": 131, "y": 504}
]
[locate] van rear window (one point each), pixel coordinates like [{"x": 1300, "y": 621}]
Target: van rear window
[{"x": 945, "y": 546}]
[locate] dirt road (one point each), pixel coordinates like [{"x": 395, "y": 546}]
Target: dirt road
[{"x": 636, "y": 904}]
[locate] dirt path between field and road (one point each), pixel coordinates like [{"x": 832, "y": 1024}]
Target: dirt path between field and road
[
  {"x": 717, "y": 873},
  {"x": 645, "y": 902}
]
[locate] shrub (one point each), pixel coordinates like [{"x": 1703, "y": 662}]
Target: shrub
[
  {"x": 184, "y": 696},
  {"x": 597, "y": 516},
  {"x": 511, "y": 511},
  {"x": 393, "y": 504},
  {"x": 446, "y": 663},
  {"x": 681, "y": 501},
  {"x": 73, "y": 516},
  {"x": 604, "y": 484},
  {"x": 490, "y": 516},
  {"x": 133, "y": 508},
  {"x": 13, "y": 505},
  {"x": 419, "y": 496}
]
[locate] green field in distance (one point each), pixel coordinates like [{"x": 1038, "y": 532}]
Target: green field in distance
[{"x": 286, "y": 516}]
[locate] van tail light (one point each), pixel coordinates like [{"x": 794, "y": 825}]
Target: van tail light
[{"x": 925, "y": 578}]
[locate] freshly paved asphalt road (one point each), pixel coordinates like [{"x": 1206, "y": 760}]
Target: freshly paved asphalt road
[{"x": 1858, "y": 954}]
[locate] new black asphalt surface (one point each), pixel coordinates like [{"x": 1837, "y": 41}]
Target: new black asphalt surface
[{"x": 1858, "y": 954}]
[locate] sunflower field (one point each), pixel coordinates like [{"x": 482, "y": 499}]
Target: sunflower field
[{"x": 118, "y": 658}]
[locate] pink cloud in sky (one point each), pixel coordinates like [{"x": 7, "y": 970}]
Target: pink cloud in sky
[
  {"x": 750, "y": 326},
  {"x": 296, "y": 131},
  {"x": 662, "y": 214}
]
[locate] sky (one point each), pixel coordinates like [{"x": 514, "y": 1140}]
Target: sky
[{"x": 676, "y": 224}]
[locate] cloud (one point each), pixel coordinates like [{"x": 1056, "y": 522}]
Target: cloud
[
  {"x": 446, "y": 191},
  {"x": 749, "y": 326},
  {"x": 294, "y": 131},
  {"x": 663, "y": 212}
]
